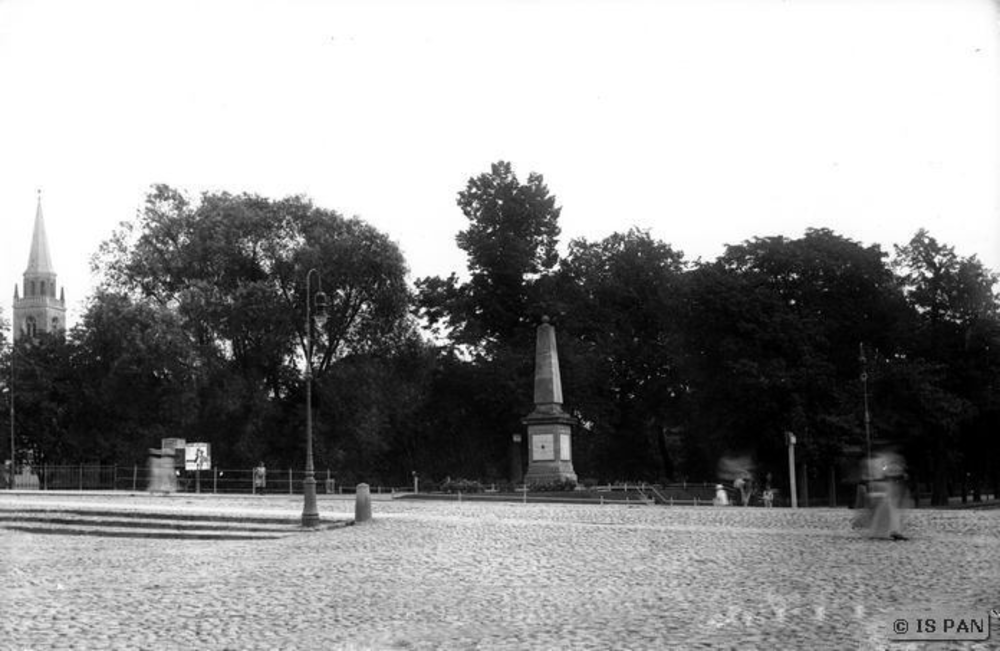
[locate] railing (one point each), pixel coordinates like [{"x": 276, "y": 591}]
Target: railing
[
  {"x": 86, "y": 477},
  {"x": 288, "y": 481}
]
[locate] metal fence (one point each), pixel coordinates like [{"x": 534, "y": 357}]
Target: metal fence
[{"x": 86, "y": 477}]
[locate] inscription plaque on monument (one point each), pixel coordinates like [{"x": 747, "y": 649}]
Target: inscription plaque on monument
[{"x": 542, "y": 448}]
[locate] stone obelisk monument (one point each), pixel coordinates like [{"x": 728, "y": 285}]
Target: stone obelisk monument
[{"x": 550, "y": 454}]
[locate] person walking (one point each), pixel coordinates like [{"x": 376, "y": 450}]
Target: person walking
[
  {"x": 721, "y": 499},
  {"x": 260, "y": 478},
  {"x": 886, "y": 502}
]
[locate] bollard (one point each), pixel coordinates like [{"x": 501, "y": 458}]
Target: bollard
[{"x": 362, "y": 504}]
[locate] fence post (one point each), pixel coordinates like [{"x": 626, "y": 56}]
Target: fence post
[
  {"x": 81, "y": 476},
  {"x": 289, "y": 481},
  {"x": 135, "y": 476},
  {"x": 253, "y": 483},
  {"x": 215, "y": 479}
]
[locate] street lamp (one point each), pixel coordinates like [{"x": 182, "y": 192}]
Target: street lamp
[
  {"x": 12, "y": 464},
  {"x": 864, "y": 389},
  {"x": 310, "y": 513}
]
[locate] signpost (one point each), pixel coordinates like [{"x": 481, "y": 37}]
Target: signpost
[{"x": 196, "y": 457}]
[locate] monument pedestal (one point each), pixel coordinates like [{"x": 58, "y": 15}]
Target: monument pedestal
[{"x": 550, "y": 455}]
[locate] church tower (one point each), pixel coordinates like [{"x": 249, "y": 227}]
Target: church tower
[{"x": 39, "y": 310}]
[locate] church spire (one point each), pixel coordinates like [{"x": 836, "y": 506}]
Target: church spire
[
  {"x": 39, "y": 260},
  {"x": 38, "y": 310}
]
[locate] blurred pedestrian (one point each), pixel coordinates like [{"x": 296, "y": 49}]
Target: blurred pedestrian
[
  {"x": 162, "y": 478},
  {"x": 260, "y": 478},
  {"x": 721, "y": 499},
  {"x": 885, "y": 499},
  {"x": 768, "y": 498},
  {"x": 744, "y": 485}
]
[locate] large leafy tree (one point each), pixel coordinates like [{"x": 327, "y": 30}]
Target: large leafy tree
[
  {"x": 234, "y": 268},
  {"x": 952, "y": 380},
  {"x": 773, "y": 328},
  {"x": 617, "y": 301},
  {"x": 43, "y": 386},
  {"x": 510, "y": 242},
  {"x": 137, "y": 375},
  {"x": 488, "y": 320}
]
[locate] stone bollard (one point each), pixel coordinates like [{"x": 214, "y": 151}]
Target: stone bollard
[{"x": 362, "y": 504}]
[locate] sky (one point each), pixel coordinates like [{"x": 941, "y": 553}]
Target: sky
[{"x": 706, "y": 122}]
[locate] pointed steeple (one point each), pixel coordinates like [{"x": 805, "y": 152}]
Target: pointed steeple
[
  {"x": 39, "y": 260},
  {"x": 38, "y": 310}
]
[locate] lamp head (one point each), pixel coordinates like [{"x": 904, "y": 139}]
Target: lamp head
[{"x": 321, "y": 307}]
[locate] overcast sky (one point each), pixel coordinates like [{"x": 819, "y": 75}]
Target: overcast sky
[{"x": 707, "y": 122}]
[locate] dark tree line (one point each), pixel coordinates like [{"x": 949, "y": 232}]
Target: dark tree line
[{"x": 198, "y": 331}]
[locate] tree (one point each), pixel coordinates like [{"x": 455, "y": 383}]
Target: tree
[
  {"x": 489, "y": 321},
  {"x": 957, "y": 334},
  {"x": 618, "y": 300},
  {"x": 234, "y": 269},
  {"x": 43, "y": 385},
  {"x": 510, "y": 242},
  {"x": 137, "y": 376},
  {"x": 773, "y": 328}
]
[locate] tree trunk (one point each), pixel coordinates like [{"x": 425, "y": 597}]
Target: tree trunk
[
  {"x": 939, "y": 482},
  {"x": 832, "y": 488}
]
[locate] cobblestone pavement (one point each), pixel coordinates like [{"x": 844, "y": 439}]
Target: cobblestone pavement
[{"x": 447, "y": 575}]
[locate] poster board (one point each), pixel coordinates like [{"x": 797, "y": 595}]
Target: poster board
[{"x": 197, "y": 456}]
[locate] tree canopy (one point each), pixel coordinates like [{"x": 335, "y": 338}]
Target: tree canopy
[{"x": 199, "y": 331}]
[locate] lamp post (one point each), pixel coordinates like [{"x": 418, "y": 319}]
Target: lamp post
[
  {"x": 310, "y": 513},
  {"x": 864, "y": 390},
  {"x": 12, "y": 470},
  {"x": 790, "y": 442}
]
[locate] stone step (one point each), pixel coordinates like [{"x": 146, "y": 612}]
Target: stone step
[
  {"x": 69, "y": 519},
  {"x": 146, "y": 524},
  {"x": 113, "y": 532},
  {"x": 149, "y": 514}
]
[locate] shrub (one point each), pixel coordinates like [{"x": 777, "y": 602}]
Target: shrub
[
  {"x": 461, "y": 486},
  {"x": 559, "y": 486}
]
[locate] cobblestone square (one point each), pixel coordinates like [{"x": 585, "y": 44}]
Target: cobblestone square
[{"x": 474, "y": 575}]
